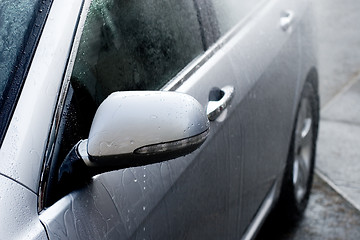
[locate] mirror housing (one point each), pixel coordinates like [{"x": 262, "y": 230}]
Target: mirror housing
[{"x": 142, "y": 127}]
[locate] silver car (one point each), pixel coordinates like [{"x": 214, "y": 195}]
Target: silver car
[{"x": 156, "y": 119}]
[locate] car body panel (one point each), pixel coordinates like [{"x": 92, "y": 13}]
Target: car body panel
[
  {"x": 213, "y": 193},
  {"x": 19, "y": 218},
  {"x": 262, "y": 120},
  {"x": 133, "y": 203}
]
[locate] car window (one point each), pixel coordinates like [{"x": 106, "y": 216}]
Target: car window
[
  {"x": 230, "y": 12},
  {"x": 125, "y": 45},
  {"x": 15, "y": 18},
  {"x": 21, "y": 23},
  {"x": 135, "y": 45}
]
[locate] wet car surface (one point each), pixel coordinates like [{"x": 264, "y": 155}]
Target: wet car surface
[
  {"x": 140, "y": 119},
  {"x": 333, "y": 214}
]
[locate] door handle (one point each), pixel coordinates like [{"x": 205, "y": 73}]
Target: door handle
[
  {"x": 219, "y": 99},
  {"x": 287, "y": 20}
]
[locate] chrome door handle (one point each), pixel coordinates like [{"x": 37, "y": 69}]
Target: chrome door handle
[
  {"x": 219, "y": 103},
  {"x": 287, "y": 20}
]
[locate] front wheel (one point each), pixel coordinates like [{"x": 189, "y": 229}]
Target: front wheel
[{"x": 299, "y": 170}]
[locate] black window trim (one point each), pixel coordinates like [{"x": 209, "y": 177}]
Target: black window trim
[{"x": 209, "y": 28}]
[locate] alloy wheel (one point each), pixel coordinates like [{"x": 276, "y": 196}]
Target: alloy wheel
[{"x": 302, "y": 150}]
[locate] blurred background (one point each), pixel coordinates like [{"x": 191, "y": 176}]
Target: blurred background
[{"x": 334, "y": 206}]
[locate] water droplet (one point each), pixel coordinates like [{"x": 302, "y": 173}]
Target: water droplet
[
  {"x": 144, "y": 208},
  {"x": 135, "y": 180},
  {"x": 132, "y": 142}
]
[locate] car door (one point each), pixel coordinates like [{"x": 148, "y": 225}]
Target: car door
[
  {"x": 217, "y": 57},
  {"x": 265, "y": 55},
  {"x": 250, "y": 140}
]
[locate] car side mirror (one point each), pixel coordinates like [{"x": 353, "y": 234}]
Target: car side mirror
[
  {"x": 137, "y": 128},
  {"x": 144, "y": 126}
]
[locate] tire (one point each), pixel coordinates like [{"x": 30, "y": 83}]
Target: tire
[{"x": 299, "y": 170}]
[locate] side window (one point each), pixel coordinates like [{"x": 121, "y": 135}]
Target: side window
[
  {"x": 230, "y": 12},
  {"x": 135, "y": 45},
  {"x": 125, "y": 45}
]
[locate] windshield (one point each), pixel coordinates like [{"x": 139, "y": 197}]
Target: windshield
[
  {"x": 15, "y": 20},
  {"x": 21, "y": 22}
]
